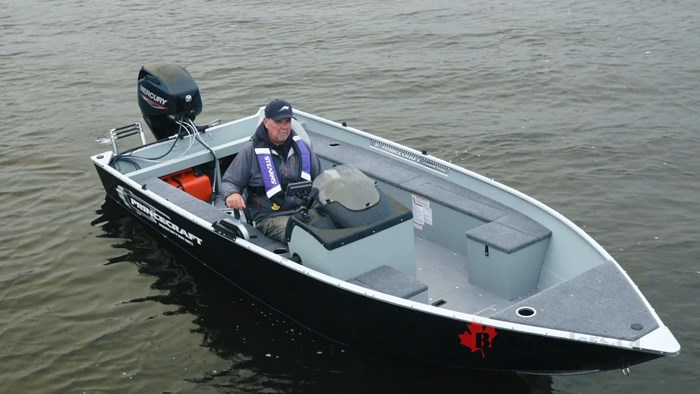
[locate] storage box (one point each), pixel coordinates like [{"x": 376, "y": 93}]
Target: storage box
[{"x": 504, "y": 261}]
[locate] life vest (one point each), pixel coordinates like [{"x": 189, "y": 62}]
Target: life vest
[{"x": 271, "y": 180}]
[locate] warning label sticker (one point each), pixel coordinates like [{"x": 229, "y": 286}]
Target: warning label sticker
[{"x": 422, "y": 214}]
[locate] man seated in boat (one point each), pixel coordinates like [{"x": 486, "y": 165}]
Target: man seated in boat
[{"x": 275, "y": 157}]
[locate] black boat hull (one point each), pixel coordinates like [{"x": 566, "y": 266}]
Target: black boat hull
[{"x": 372, "y": 324}]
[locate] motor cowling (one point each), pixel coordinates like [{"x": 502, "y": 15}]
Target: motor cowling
[{"x": 167, "y": 93}]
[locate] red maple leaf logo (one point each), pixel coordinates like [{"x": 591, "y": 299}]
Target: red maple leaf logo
[{"x": 478, "y": 337}]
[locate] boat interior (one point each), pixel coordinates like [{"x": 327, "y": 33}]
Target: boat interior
[{"x": 445, "y": 237}]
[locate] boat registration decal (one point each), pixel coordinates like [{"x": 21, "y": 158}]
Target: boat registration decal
[
  {"x": 478, "y": 337},
  {"x": 145, "y": 210}
]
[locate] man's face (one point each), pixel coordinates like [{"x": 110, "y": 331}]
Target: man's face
[{"x": 278, "y": 130}]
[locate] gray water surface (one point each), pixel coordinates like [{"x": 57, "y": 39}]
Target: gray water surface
[{"x": 590, "y": 107}]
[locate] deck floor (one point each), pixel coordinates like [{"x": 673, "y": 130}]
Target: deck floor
[{"x": 445, "y": 273}]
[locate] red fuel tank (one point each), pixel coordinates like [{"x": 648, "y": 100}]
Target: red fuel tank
[{"x": 189, "y": 181}]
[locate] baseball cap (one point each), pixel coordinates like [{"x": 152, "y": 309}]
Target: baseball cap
[{"x": 278, "y": 109}]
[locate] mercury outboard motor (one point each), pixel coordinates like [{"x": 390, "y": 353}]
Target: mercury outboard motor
[{"x": 167, "y": 93}]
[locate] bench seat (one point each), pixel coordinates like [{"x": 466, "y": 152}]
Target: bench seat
[{"x": 388, "y": 280}]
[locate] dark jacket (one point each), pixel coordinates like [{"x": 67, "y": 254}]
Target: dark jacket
[{"x": 244, "y": 172}]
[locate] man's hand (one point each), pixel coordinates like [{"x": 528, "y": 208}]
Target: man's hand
[{"x": 235, "y": 201}]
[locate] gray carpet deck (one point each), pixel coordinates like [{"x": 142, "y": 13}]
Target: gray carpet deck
[{"x": 599, "y": 301}]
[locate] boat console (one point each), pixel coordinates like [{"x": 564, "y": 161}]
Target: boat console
[{"x": 355, "y": 228}]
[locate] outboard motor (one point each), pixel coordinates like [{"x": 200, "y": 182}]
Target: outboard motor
[{"x": 167, "y": 93}]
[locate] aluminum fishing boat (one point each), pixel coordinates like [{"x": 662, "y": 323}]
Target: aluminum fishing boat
[{"x": 398, "y": 252}]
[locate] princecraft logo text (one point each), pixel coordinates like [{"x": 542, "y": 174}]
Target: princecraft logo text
[
  {"x": 406, "y": 155},
  {"x": 155, "y": 100},
  {"x": 143, "y": 209}
]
